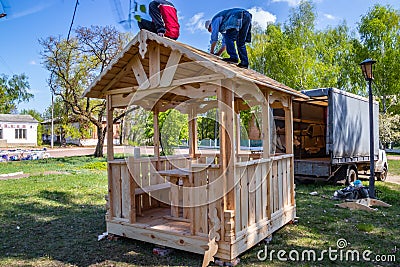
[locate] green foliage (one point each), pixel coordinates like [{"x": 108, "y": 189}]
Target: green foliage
[
  {"x": 380, "y": 38},
  {"x": 207, "y": 125},
  {"x": 138, "y": 127},
  {"x": 13, "y": 91},
  {"x": 389, "y": 128},
  {"x": 301, "y": 57},
  {"x": 173, "y": 128}
]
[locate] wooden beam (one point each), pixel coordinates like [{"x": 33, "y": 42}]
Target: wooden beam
[
  {"x": 154, "y": 65},
  {"x": 289, "y": 127},
  {"x": 192, "y": 132},
  {"x": 110, "y": 144},
  {"x": 226, "y": 109},
  {"x": 266, "y": 127},
  {"x": 120, "y": 101},
  {"x": 125, "y": 90},
  {"x": 156, "y": 137},
  {"x": 140, "y": 74},
  {"x": 117, "y": 77},
  {"x": 170, "y": 68}
]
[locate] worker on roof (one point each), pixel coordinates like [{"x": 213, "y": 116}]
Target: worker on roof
[
  {"x": 234, "y": 25},
  {"x": 164, "y": 19}
]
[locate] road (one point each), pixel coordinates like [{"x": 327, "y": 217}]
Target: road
[{"x": 78, "y": 151}]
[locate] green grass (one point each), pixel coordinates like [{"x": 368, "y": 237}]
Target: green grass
[
  {"x": 394, "y": 166},
  {"x": 68, "y": 164},
  {"x": 54, "y": 220}
]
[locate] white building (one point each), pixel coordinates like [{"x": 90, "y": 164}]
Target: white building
[{"x": 18, "y": 130}]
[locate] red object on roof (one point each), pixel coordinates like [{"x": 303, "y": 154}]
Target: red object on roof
[{"x": 170, "y": 18}]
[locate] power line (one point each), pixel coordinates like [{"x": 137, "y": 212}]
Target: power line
[{"x": 73, "y": 18}]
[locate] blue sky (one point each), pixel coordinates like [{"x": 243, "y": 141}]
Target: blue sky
[{"x": 30, "y": 20}]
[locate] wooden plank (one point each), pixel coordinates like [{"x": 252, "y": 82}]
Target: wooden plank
[
  {"x": 140, "y": 74},
  {"x": 110, "y": 189},
  {"x": 244, "y": 198},
  {"x": 125, "y": 196},
  {"x": 280, "y": 184},
  {"x": 252, "y": 194},
  {"x": 238, "y": 195},
  {"x": 285, "y": 183},
  {"x": 154, "y": 65},
  {"x": 159, "y": 237},
  {"x": 134, "y": 167},
  {"x": 170, "y": 68},
  {"x": 122, "y": 73},
  {"x": 200, "y": 200},
  {"x": 156, "y": 139},
  {"x": 264, "y": 192},
  {"x": 265, "y": 127},
  {"x": 192, "y": 132},
  {"x": 174, "y": 196},
  {"x": 132, "y": 202},
  {"x": 116, "y": 191},
  {"x": 258, "y": 201},
  {"x": 276, "y": 186}
]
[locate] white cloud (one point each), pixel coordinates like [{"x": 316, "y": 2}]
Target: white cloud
[
  {"x": 262, "y": 17},
  {"x": 330, "y": 17},
  {"x": 290, "y": 2},
  {"x": 196, "y": 23},
  {"x": 32, "y": 62}
]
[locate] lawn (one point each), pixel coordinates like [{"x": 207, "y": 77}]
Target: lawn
[{"x": 54, "y": 220}]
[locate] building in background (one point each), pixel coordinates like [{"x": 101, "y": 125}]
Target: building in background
[
  {"x": 18, "y": 130},
  {"x": 61, "y": 135}
]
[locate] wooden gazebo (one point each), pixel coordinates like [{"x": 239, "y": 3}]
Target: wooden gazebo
[{"x": 218, "y": 204}]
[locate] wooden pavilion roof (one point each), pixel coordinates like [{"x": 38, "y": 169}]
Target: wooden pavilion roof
[{"x": 152, "y": 63}]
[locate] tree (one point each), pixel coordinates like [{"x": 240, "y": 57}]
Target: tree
[
  {"x": 73, "y": 64},
  {"x": 13, "y": 91},
  {"x": 301, "y": 57},
  {"x": 379, "y": 32},
  {"x": 389, "y": 128}
]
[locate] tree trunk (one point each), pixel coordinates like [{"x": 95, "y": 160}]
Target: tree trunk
[{"x": 100, "y": 142}]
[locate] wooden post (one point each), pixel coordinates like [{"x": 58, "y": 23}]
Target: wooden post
[
  {"x": 289, "y": 142},
  {"x": 110, "y": 132},
  {"x": 110, "y": 154},
  {"x": 237, "y": 128},
  {"x": 192, "y": 133},
  {"x": 226, "y": 109},
  {"x": 154, "y": 65},
  {"x": 267, "y": 154},
  {"x": 156, "y": 136}
]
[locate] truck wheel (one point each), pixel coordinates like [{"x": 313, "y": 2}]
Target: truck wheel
[
  {"x": 352, "y": 176},
  {"x": 383, "y": 175}
]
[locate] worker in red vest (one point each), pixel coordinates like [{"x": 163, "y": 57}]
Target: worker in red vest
[{"x": 164, "y": 19}]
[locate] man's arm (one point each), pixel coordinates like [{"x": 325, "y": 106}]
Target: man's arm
[{"x": 215, "y": 23}]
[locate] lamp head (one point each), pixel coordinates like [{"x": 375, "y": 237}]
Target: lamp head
[{"x": 366, "y": 67}]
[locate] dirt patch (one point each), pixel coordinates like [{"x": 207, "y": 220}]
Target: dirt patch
[
  {"x": 25, "y": 175},
  {"x": 391, "y": 178}
]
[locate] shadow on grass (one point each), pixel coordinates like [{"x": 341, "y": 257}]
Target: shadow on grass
[{"x": 51, "y": 225}]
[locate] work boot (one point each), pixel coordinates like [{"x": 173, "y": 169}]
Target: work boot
[
  {"x": 240, "y": 65},
  {"x": 230, "y": 60}
]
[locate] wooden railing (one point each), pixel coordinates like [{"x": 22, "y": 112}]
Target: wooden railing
[
  {"x": 134, "y": 185},
  {"x": 262, "y": 188}
]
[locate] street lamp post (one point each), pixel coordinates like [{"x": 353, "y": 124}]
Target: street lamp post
[{"x": 366, "y": 67}]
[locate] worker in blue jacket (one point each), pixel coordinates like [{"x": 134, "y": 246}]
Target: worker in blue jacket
[{"x": 234, "y": 25}]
